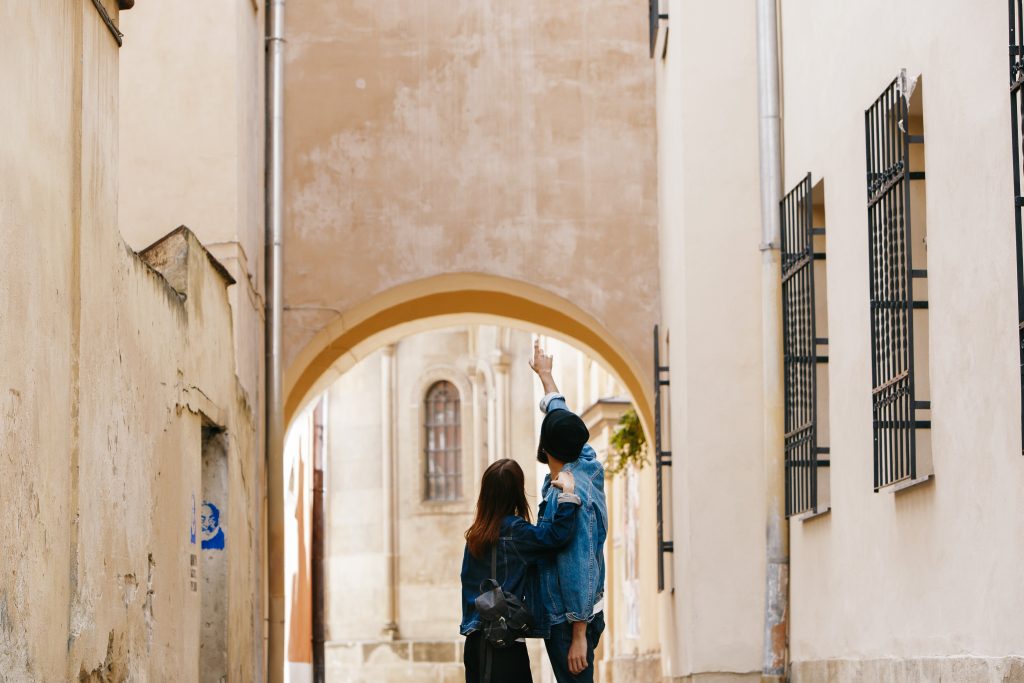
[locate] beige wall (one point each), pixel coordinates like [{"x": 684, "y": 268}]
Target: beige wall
[
  {"x": 710, "y": 280},
  {"x": 886, "y": 586},
  {"x": 191, "y": 153},
  {"x": 929, "y": 573},
  {"x": 191, "y": 145},
  {"x": 515, "y": 140},
  {"x": 108, "y": 375}
]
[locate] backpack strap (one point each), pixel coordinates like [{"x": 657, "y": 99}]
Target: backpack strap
[
  {"x": 485, "y": 661},
  {"x": 486, "y": 653}
]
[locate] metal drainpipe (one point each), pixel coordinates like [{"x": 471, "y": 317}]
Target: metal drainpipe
[
  {"x": 274, "y": 416},
  {"x": 776, "y": 608}
]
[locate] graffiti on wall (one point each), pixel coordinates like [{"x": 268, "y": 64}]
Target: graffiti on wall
[
  {"x": 212, "y": 533},
  {"x": 192, "y": 522}
]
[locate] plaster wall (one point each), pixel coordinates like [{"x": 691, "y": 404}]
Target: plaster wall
[
  {"x": 191, "y": 145},
  {"x": 513, "y": 140},
  {"x": 927, "y": 577},
  {"x": 709, "y": 230},
  {"x": 107, "y": 374}
]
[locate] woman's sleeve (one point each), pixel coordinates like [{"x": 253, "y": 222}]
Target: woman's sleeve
[{"x": 541, "y": 539}]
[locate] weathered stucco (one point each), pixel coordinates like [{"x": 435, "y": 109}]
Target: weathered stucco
[
  {"x": 107, "y": 376},
  {"x": 425, "y": 139}
]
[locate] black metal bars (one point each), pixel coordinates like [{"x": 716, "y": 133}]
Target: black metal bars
[
  {"x": 109, "y": 22},
  {"x": 653, "y": 16},
  {"x": 891, "y": 275},
  {"x": 1016, "y": 111},
  {"x": 801, "y": 349},
  {"x": 662, "y": 458}
]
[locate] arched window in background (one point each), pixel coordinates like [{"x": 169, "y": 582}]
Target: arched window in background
[{"x": 443, "y": 443}]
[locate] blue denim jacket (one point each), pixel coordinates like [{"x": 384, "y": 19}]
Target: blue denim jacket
[
  {"x": 520, "y": 546},
  {"x": 573, "y": 582}
]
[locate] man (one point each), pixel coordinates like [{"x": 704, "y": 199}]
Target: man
[
  {"x": 213, "y": 534},
  {"x": 573, "y": 582}
]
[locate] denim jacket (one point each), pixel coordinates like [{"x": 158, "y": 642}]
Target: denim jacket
[
  {"x": 520, "y": 546},
  {"x": 573, "y": 581}
]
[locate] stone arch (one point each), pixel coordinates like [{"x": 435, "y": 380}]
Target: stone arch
[{"x": 448, "y": 300}]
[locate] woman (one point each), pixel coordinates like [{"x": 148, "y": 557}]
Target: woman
[{"x": 503, "y": 519}]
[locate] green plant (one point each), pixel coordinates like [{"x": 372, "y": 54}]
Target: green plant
[{"x": 628, "y": 445}]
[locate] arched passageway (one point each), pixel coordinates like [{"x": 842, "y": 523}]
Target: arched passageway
[
  {"x": 426, "y": 303},
  {"x": 363, "y": 511}
]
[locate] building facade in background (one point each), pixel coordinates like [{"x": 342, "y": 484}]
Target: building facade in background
[{"x": 406, "y": 435}]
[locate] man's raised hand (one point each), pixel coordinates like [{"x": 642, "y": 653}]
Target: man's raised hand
[{"x": 541, "y": 362}]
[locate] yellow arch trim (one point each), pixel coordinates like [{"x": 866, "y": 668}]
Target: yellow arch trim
[{"x": 448, "y": 299}]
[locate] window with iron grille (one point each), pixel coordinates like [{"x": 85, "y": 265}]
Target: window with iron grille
[
  {"x": 897, "y": 277},
  {"x": 443, "y": 443},
  {"x": 804, "y": 348},
  {"x": 1016, "y": 112},
  {"x": 654, "y": 17}
]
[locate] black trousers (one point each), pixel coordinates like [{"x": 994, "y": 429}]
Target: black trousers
[{"x": 508, "y": 664}]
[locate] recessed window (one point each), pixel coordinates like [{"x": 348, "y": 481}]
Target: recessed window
[
  {"x": 443, "y": 443},
  {"x": 898, "y": 281},
  {"x": 805, "y": 348}
]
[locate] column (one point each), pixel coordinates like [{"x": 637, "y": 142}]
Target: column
[{"x": 389, "y": 517}]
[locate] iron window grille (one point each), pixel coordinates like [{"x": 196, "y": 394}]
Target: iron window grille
[
  {"x": 894, "y": 241},
  {"x": 1016, "y": 112},
  {"x": 653, "y": 17},
  {"x": 662, "y": 459},
  {"x": 443, "y": 443},
  {"x": 802, "y": 347}
]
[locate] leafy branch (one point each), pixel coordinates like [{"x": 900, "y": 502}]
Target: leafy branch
[{"x": 628, "y": 445}]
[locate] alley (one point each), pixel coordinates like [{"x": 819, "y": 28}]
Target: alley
[{"x": 276, "y": 274}]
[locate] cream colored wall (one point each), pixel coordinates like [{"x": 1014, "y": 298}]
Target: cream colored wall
[
  {"x": 515, "y": 140},
  {"x": 709, "y": 229},
  {"x": 107, "y": 374},
  {"x": 932, "y": 571},
  {"x": 354, "y": 553},
  {"x": 191, "y": 153},
  {"x": 191, "y": 145}
]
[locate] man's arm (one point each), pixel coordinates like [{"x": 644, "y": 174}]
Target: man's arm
[{"x": 578, "y": 648}]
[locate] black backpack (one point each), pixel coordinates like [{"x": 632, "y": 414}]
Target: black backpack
[{"x": 503, "y": 616}]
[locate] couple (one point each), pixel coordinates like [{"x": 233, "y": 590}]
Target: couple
[{"x": 555, "y": 568}]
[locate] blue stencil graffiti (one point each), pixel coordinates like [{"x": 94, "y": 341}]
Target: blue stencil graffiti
[
  {"x": 192, "y": 522},
  {"x": 213, "y": 535}
]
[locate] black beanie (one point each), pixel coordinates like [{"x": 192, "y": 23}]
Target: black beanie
[{"x": 562, "y": 434}]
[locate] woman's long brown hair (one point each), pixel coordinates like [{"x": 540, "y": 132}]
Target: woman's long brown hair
[{"x": 502, "y": 493}]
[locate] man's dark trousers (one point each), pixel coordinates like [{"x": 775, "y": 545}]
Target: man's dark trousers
[{"x": 558, "y": 650}]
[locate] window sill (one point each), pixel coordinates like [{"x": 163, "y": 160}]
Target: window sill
[
  {"x": 907, "y": 484},
  {"x": 808, "y": 516}
]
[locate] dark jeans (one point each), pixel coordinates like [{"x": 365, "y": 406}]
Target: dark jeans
[
  {"x": 508, "y": 664},
  {"x": 558, "y": 650}
]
